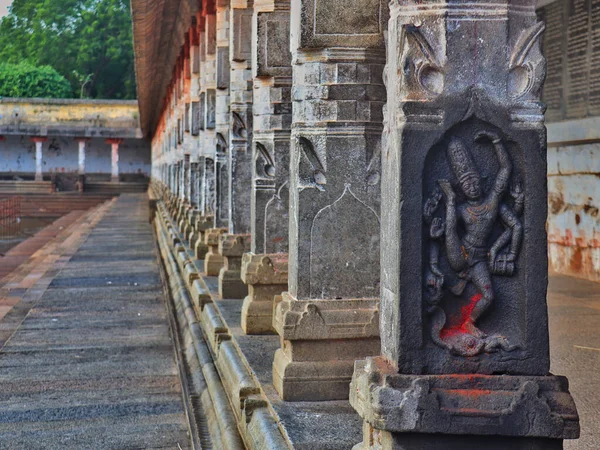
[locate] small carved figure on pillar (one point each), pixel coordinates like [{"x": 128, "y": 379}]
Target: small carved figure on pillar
[{"x": 466, "y": 238}]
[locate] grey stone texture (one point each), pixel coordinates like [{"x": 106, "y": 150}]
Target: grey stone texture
[
  {"x": 240, "y": 145},
  {"x": 337, "y": 98},
  {"x": 222, "y": 114},
  {"x": 464, "y": 329},
  {"x": 232, "y": 247},
  {"x": 272, "y": 113},
  {"x": 266, "y": 277},
  {"x": 213, "y": 261}
]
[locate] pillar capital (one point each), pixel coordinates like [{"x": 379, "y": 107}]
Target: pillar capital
[
  {"x": 82, "y": 139},
  {"x": 39, "y": 138},
  {"x": 112, "y": 141}
]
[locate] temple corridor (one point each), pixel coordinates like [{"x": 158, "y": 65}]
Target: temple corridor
[{"x": 87, "y": 359}]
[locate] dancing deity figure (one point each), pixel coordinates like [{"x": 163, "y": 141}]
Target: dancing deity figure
[{"x": 469, "y": 253}]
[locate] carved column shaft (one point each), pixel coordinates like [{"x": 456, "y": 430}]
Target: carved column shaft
[
  {"x": 222, "y": 113},
  {"x": 325, "y": 320},
  {"x": 464, "y": 266},
  {"x": 217, "y": 105},
  {"x": 272, "y": 116},
  {"x": 237, "y": 241}
]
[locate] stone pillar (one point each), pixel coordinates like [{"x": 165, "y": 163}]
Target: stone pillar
[
  {"x": 329, "y": 317},
  {"x": 237, "y": 241},
  {"x": 186, "y": 178},
  {"x": 464, "y": 330},
  {"x": 222, "y": 114},
  {"x": 81, "y": 155},
  {"x": 39, "y": 142},
  {"x": 265, "y": 269},
  {"x": 114, "y": 173},
  {"x": 217, "y": 118}
]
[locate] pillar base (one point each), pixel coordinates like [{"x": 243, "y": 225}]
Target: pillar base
[
  {"x": 383, "y": 440},
  {"x": 266, "y": 277},
  {"x": 321, "y": 339},
  {"x": 197, "y": 238},
  {"x": 39, "y": 177},
  {"x": 405, "y": 411},
  {"x": 213, "y": 261},
  {"x": 232, "y": 247},
  {"x": 114, "y": 179}
]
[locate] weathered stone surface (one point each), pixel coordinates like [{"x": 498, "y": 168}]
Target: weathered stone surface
[
  {"x": 463, "y": 404},
  {"x": 266, "y": 277},
  {"x": 232, "y": 247},
  {"x": 335, "y": 167},
  {"x": 464, "y": 327},
  {"x": 203, "y": 223},
  {"x": 213, "y": 261}
]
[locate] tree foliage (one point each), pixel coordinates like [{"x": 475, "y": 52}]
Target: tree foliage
[
  {"x": 89, "y": 42},
  {"x": 25, "y": 80}
]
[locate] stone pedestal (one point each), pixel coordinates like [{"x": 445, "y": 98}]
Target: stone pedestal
[
  {"x": 321, "y": 340},
  {"x": 266, "y": 277},
  {"x": 232, "y": 247},
  {"x": 464, "y": 327},
  {"x": 413, "y": 412},
  {"x": 328, "y": 318},
  {"x": 198, "y": 239},
  {"x": 213, "y": 261}
]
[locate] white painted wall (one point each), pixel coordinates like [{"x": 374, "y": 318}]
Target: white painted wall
[{"x": 60, "y": 154}]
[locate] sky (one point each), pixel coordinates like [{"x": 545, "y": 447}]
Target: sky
[{"x": 4, "y": 4}]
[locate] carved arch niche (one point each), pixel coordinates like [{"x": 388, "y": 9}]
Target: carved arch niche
[{"x": 448, "y": 305}]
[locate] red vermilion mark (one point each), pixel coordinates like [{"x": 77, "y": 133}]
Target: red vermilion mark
[{"x": 460, "y": 326}]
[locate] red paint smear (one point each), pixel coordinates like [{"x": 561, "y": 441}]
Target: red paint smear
[
  {"x": 465, "y": 317},
  {"x": 472, "y": 393}
]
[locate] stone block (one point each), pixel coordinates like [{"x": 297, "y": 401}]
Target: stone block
[
  {"x": 266, "y": 277},
  {"x": 321, "y": 339},
  {"x": 274, "y": 58},
  {"x": 213, "y": 261},
  {"x": 241, "y": 34},
  {"x": 330, "y": 23},
  {"x": 463, "y": 404},
  {"x": 223, "y": 68},
  {"x": 232, "y": 247}
]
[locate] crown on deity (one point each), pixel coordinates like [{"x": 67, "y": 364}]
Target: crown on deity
[{"x": 461, "y": 160}]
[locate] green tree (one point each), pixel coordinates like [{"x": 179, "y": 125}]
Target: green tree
[
  {"x": 25, "y": 80},
  {"x": 89, "y": 42}
]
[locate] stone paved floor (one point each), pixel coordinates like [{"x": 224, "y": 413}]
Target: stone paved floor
[
  {"x": 574, "y": 310},
  {"x": 92, "y": 364}
]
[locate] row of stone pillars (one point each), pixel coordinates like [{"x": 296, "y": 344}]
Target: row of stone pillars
[
  {"x": 291, "y": 175},
  {"x": 114, "y": 143}
]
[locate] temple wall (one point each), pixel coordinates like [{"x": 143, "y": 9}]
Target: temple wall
[{"x": 574, "y": 200}]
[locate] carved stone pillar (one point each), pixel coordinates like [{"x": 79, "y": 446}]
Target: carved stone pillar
[
  {"x": 272, "y": 72},
  {"x": 222, "y": 114},
  {"x": 329, "y": 317},
  {"x": 464, "y": 330},
  {"x": 240, "y": 153},
  {"x": 217, "y": 119}
]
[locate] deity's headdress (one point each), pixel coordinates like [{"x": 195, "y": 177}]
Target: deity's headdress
[{"x": 461, "y": 160}]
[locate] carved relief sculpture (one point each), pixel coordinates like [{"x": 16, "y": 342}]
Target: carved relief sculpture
[{"x": 462, "y": 233}]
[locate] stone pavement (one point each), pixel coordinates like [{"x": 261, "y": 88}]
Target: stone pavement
[
  {"x": 574, "y": 313},
  {"x": 92, "y": 363}
]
